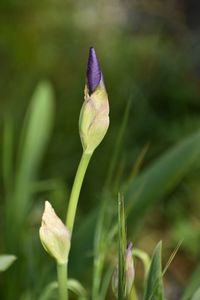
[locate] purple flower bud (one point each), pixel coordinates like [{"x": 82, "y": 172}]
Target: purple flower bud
[
  {"x": 93, "y": 71},
  {"x": 94, "y": 115},
  {"x": 129, "y": 272},
  {"x": 129, "y": 246},
  {"x": 129, "y": 268}
]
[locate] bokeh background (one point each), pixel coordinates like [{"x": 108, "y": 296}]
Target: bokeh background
[{"x": 149, "y": 53}]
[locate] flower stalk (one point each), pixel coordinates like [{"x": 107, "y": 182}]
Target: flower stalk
[
  {"x": 76, "y": 188},
  {"x": 62, "y": 281},
  {"x": 72, "y": 207},
  {"x": 93, "y": 125}
]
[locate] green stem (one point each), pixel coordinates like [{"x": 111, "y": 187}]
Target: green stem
[
  {"x": 62, "y": 281},
  {"x": 71, "y": 212},
  {"x": 73, "y": 201}
]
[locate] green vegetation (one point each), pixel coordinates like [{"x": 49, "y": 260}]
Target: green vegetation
[{"x": 150, "y": 154}]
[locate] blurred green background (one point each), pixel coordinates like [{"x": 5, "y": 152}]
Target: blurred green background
[{"x": 149, "y": 54}]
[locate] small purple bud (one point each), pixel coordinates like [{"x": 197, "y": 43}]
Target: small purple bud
[
  {"x": 129, "y": 246},
  {"x": 94, "y": 115},
  {"x": 93, "y": 71},
  {"x": 128, "y": 270}
]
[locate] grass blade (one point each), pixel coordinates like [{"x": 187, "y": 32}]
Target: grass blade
[
  {"x": 118, "y": 144},
  {"x": 33, "y": 142},
  {"x": 7, "y": 162},
  {"x": 193, "y": 284},
  {"x": 144, "y": 257},
  {"x": 154, "y": 284},
  {"x": 121, "y": 248},
  {"x": 196, "y": 295}
]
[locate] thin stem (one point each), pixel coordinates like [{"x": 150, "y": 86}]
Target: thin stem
[
  {"x": 73, "y": 201},
  {"x": 62, "y": 281}
]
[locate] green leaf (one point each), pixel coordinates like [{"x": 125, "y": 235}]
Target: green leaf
[
  {"x": 7, "y": 162},
  {"x": 154, "y": 284},
  {"x": 118, "y": 144},
  {"x": 76, "y": 287},
  {"x": 105, "y": 283},
  {"x": 102, "y": 235},
  {"x": 48, "y": 291},
  {"x": 133, "y": 295},
  {"x": 102, "y": 241},
  {"x": 33, "y": 142},
  {"x": 144, "y": 191},
  {"x": 192, "y": 285},
  {"x": 121, "y": 249},
  {"x": 72, "y": 285},
  {"x": 144, "y": 257},
  {"x": 171, "y": 258},
  {"x": 160, "y": 178},
  {"x": 6, "y": 261},
  {"x": 196, "y": 295}
]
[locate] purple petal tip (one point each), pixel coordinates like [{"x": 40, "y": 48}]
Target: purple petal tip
[
  {"x": 93, "y": 71},
  {"x": 130, "y": 246}
]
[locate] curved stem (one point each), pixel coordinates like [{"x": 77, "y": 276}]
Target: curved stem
[{"x": 73, "y": 201}]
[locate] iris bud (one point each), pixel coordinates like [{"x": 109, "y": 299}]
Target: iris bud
[
  {"x": 54, "y": 235},
  {"x": 129, "y": 273},
  {"x": 129, "y": 268},
  {"x": 94, "y": 115}
]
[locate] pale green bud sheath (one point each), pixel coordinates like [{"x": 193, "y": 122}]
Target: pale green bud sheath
[
  {"x": 93, "y": 125},
  {"x": 129, "y": 273},
  {"x": 129, "y": 268},
  {"x": 54, "y": 235},
  {"x": 56, "y": 239},
  {"x": 94, "y": 116}
]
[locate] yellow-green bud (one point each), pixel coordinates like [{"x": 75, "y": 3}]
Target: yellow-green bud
[
  {"x": 54, "y": 235},
  {"x": 94, "y": 115}
]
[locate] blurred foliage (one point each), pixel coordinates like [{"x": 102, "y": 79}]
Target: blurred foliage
[
  {"x": 150, "y": 58},
  {"x": 6, "y": 261}
]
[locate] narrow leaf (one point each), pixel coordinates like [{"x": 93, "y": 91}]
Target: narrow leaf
[
  {"x": 7, "y": 145},
  {"x": 196, "y": 295},
  {"x": 154, "y": 284},
  {"x": 144, "y": 257},
  {"x": 35, "y": 134},
  {"x": 121, "y": 248},
  {"x": 72, "y": 285},
  {"x": 76, "y": 287},
  {"x": 160, "y": 178},
  {"x": 193, "y": 284}
]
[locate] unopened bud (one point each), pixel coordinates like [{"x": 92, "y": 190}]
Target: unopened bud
[
  {"x": 94, "y": 115},
  {"x": 129, "y": 273},
  {"x": 54, "y": 235},
  {"x": 129, "y": 268}
]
